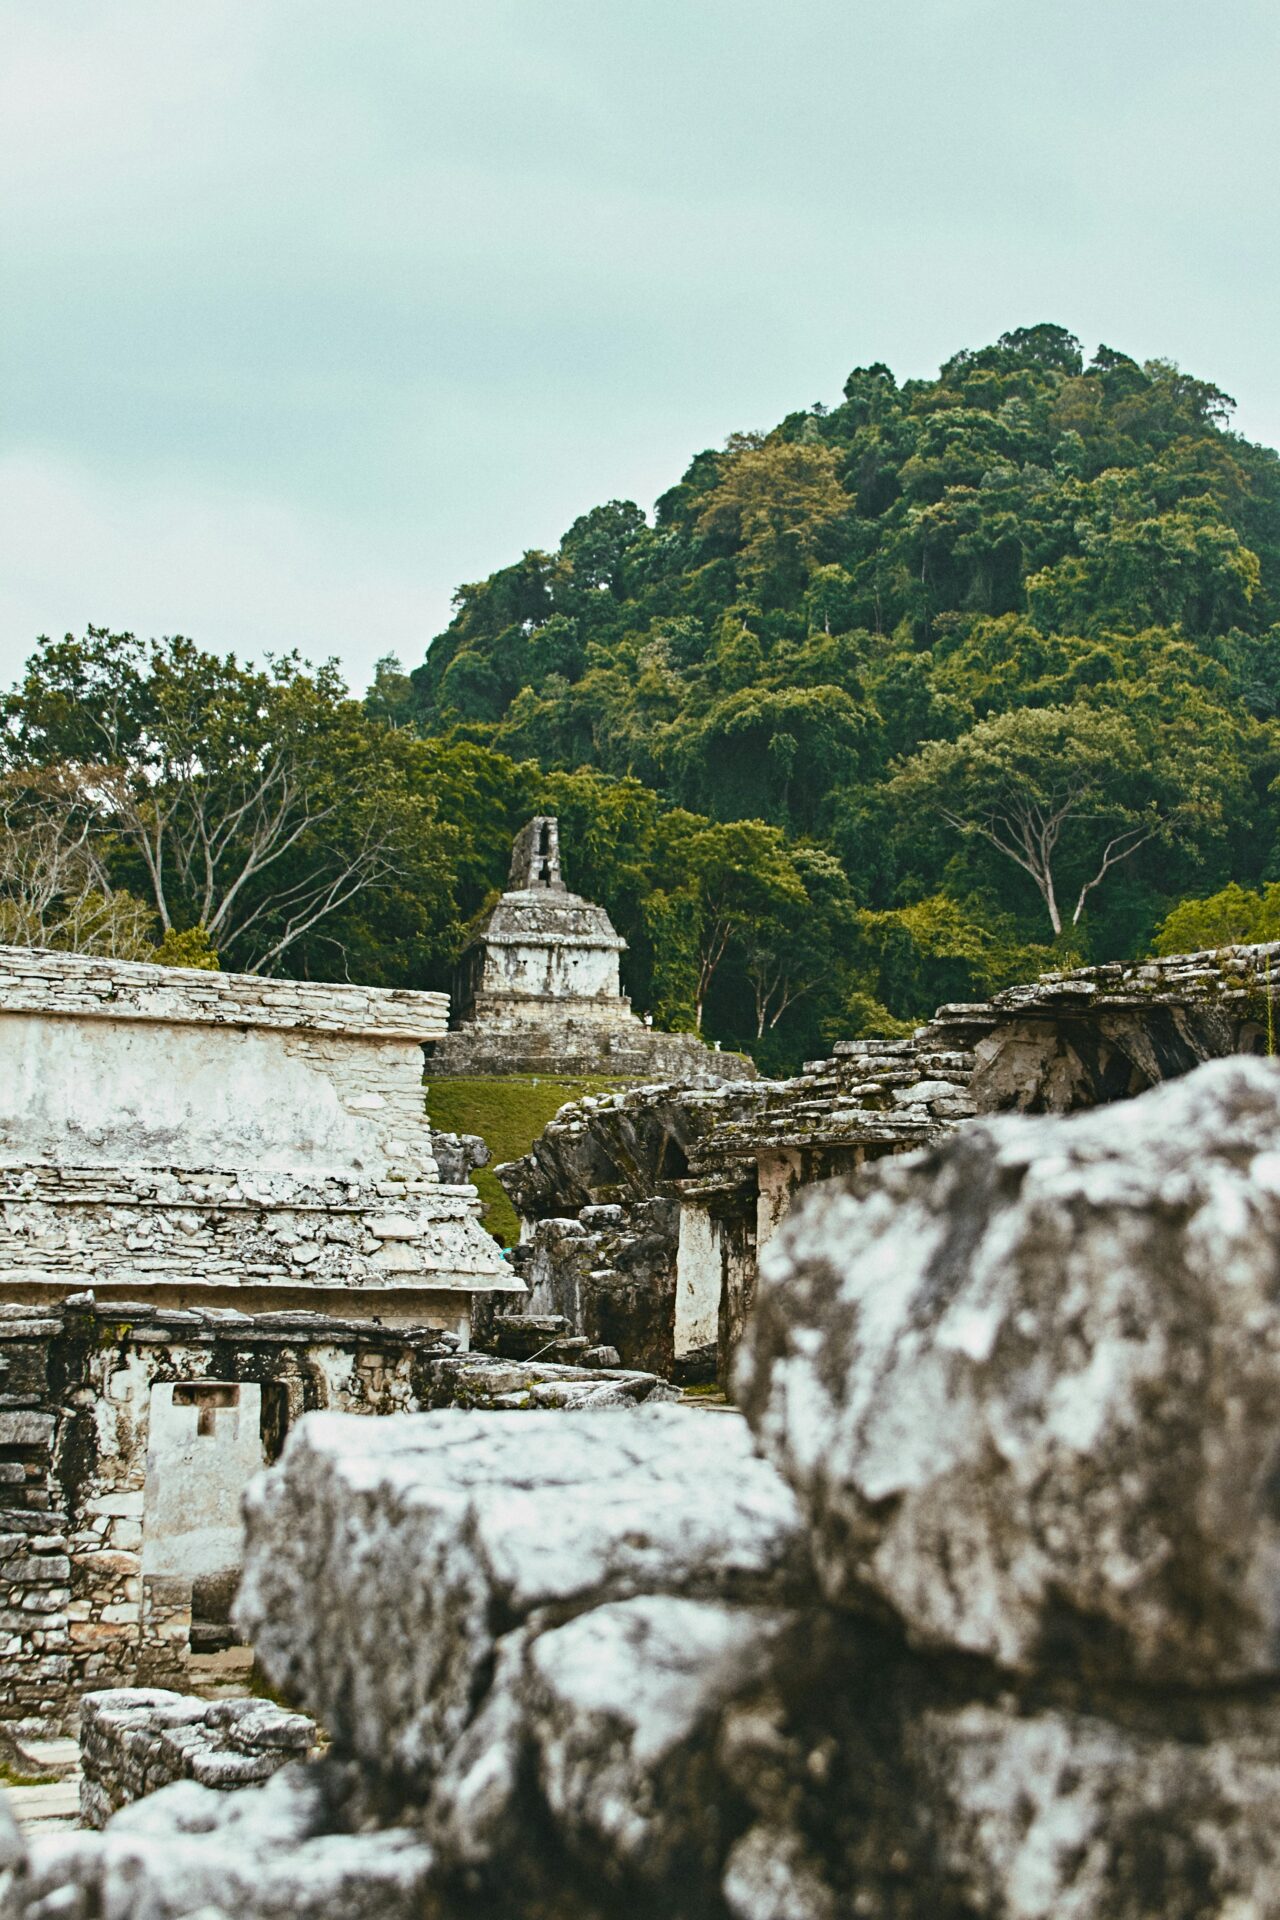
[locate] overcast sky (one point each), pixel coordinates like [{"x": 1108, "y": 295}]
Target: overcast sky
[{"x": 313, "y": 310}]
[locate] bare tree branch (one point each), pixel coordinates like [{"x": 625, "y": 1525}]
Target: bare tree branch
[
  {"x": 55, "y": 890},
  {"x": 1115, "y": 852}
]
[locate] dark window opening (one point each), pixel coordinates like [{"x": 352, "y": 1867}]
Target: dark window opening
[
  {"x": 274, "y": 1420},
  {"x": 673, "y": 1161},
  {"x": 211, "y": 1598},
  {"x": 206, "y": 1397},
  {"x": 544, "y": 845}
]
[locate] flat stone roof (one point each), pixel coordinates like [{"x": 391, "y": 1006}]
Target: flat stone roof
[{"x": 87, "y": 987}]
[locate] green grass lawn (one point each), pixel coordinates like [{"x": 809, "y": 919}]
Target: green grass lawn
[{"x": 509, "y": 1114}]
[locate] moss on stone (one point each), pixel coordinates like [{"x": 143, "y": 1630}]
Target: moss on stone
[{"x": 508, "y": 1113}]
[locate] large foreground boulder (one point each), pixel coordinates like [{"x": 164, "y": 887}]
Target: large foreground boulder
[
  {"x": 1027, "y": 1385},
  {"x": 386, "y": 1558},
  {"x": 663, "y": 1759}
]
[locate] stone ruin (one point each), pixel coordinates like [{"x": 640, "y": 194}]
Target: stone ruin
[
  {"x": 221, "y": 1208},
  {"x": 975, "y": 1616},
  {"x": 645, "y": 1213},
  {"x": 219, "y": 1138},
  {"x": 138, "y": 1739},
  {"x": 538, "y": 990}
]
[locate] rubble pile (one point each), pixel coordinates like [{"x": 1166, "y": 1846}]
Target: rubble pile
[{"x": 978, "y": 1619}]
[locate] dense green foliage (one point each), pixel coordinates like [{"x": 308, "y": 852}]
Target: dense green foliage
[
  {"x": 907, "y": 698},
  {"x": 1235, "y": 915},
  {"x": 982, "y": 671}
]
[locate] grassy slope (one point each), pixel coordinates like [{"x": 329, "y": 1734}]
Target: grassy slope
[{"x": 509, "y": 1114}]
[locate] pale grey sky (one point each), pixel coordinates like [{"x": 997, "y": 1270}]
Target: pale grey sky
[{"x": 314, "y": 310}]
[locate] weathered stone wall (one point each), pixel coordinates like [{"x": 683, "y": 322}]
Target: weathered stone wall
[
  {"x": 162, "y": 1127},
  {"x": 96, "y": 1091},
  {"x": 608, "y": 1274},
  {"x": 986, "y": 1629},
  {"x": 601, "y": 1198},
  {"x": 35, "y": 1565},
  {"x": 68, "y": 1228},
  {"x": 135, "y": 1740},
  {"x": 733, "y": 1159},
  {"x": 549, "y": 944},
  {"x": 83, "y": 986},
  {"x": 169, "y": 1136},
  {"x": 127, "y": 1435},
  {"x": 574, "y": 1041},
  {"x": 112, "y": 1595}
]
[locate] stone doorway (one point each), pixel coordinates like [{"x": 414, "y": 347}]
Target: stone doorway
[{"x": 206, "y": 1441}]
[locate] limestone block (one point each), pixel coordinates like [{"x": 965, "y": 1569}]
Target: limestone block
[
  {"x": 654, "y": 1747},
  {"x": 21, "y": 1429},
  {"x": 1054, "y": 1815},
  {"x": 385, "y": 1558},
  {"x": 1025, "y": 1384},
  {"x": 265, "y": 1853},
  {"x": 477, "y": 1380},
  {"x": 394, "y": 1226},
  {"x": 623, "y": 1706}
]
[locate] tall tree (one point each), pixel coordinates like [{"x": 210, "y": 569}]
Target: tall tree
[
  {"x": 789, "y": 954},
  {"x": 725, "y": 879},
  {"x": 55, "y": 880},
  {"x": 1059, "y": 791},
  {"x": 778, "y": 508},
  {"x": 254, "y": 802}
]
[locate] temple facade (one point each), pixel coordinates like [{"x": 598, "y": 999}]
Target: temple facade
[
  {"x": 220, "y": 1207},
  {"x": 539, "y": 990}
]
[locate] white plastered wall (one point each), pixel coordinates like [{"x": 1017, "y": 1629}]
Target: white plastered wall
[
  {"x": 106, "y": 1092},
  {"x": 191, "y": 1506},
  {"x": 699, "y": 1280}
]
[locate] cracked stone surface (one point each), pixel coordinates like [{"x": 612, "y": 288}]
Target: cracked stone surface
[
  {"x": 622, "y": 1705},
  {"x": 384, "y": 1559},
  {"x": 1025, "y": 1385}
]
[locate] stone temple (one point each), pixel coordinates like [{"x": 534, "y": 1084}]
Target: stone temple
[
  {"x": 220, "y": 1206},
  {"x": 539, "y": 990}
]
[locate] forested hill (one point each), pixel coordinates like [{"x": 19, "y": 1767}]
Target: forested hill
[
  {"x": 1000, "y": 648},
  {"x": 903, "y": 700}
]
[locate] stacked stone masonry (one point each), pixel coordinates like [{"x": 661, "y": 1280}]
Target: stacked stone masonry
[
  {"x": 80, "y": 986},
  {"x": 166, "y": 1127},
  {"x": 983, "y": 1626},
  {"x": 127, "y": 1433},
  {"x": 135, "y": 1740},
  {"x": 645, "y": 1213},
  {"x": 219, "y": 1205}
]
